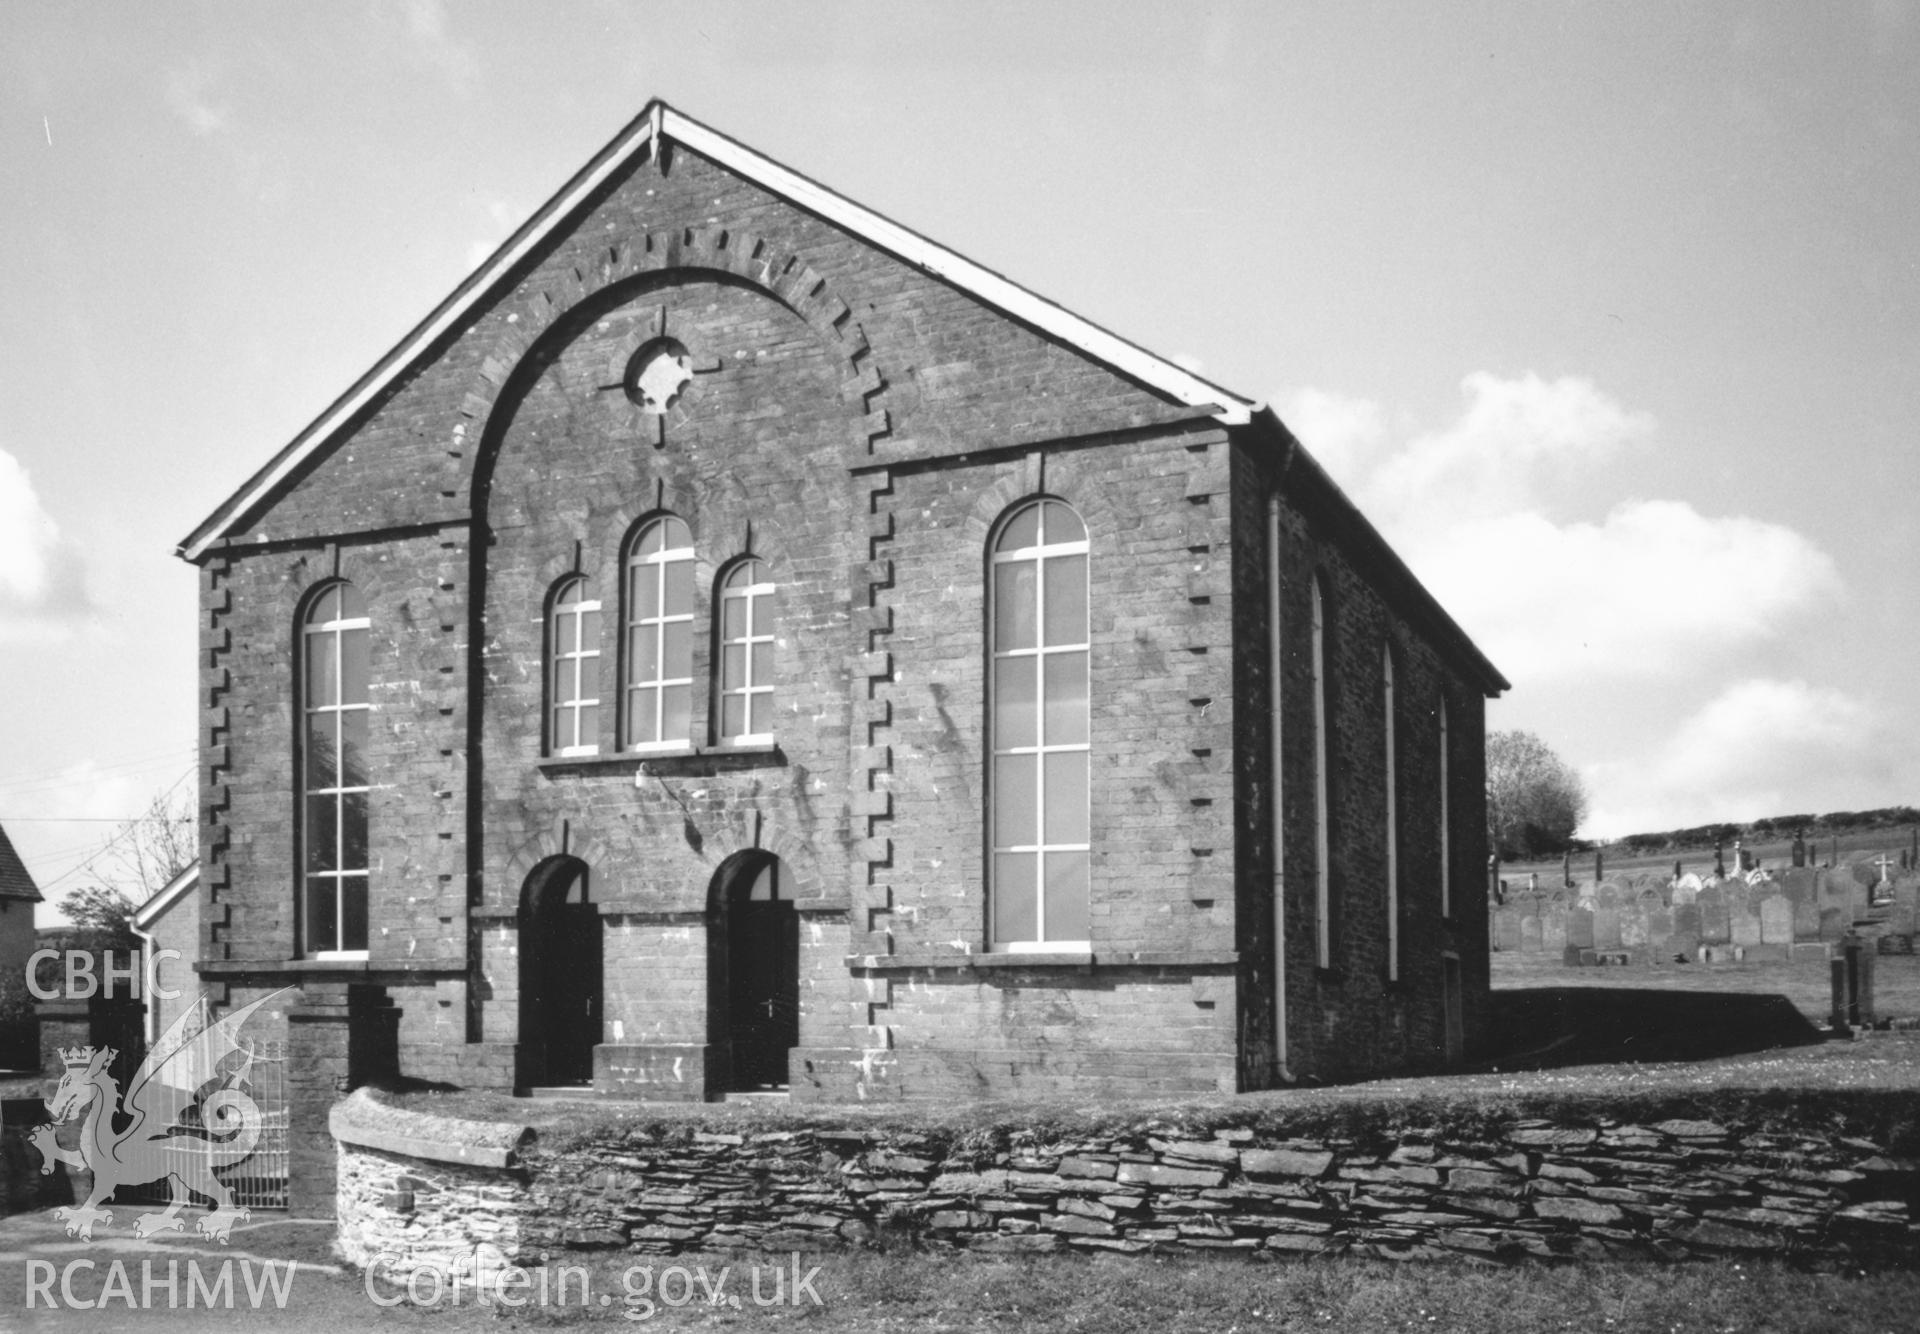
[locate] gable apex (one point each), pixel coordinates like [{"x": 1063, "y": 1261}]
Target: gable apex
[{"x": 659, "y": 124}]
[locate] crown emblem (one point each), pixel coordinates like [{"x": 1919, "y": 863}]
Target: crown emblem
[{"x": 74, "y": 1057}]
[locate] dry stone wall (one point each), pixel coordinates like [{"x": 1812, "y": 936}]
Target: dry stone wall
[{"x": 1503, "y": 1187}]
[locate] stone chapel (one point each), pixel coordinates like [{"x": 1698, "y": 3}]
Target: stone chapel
[{"x": 735, "y": 644}]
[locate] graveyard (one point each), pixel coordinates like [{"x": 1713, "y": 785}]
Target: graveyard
[{"x": 1740, "y": 910}]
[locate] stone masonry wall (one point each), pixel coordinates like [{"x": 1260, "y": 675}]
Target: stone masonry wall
[{"x": 1511, "y": 1187}]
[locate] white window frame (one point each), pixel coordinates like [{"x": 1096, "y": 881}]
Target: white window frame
[
  {"x": 631, "y": 683},
  {"x": 1038, "y": 554},
  {"x": 335, "y": 631},
  {"x": 758, "y": 597},
  {"x": 582, "y": 665}
]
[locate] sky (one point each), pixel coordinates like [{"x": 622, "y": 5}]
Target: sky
[{"x": 1607, "y": 315}]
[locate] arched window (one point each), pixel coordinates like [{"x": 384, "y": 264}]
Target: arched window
[
  {"x": 573, "y": 670},
  {"x": 746, "y": 654},
  {"x": 1322, "y": 850},
  {"x": 1390, "y": 759},
  {"x": 333, "y": 773},
  {"x": 1039, "y": 726},
  {"x": 1446, "y": 816},
  {"x": 658, "y": 709}
]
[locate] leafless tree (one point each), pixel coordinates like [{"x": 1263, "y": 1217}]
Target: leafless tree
[{"x": 150, "y": 851}]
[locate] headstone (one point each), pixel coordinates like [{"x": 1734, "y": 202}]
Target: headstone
[
  {"x": 1714, "y": 927},
  {"x": 1833, "y": 924},
  {"x": 1533, "y": 882},
  {"x": 1506, "y": 928},
  {"x": 1686, "y": 889},
  {"x": 1719, "y": 862},
  {"x": 1799, "y": 848},
  {"x": 1580, "y": 929},
  {"x": 1553, "y": 929},
  {"x": 1853, "y": 1001},
  {"x": 1633, "y": 925},
  {"x": 1776, "y": 920},
  {"x": 1606, "y": 928},
  {"x": 1806, "y": 920},
  {"x": 1530, "y": 934},
  {"x": 1686, "y": 928},
  {"x": 1659, "y": 928},
  {"x": 1799, "y": 884},
  {"x": 1599, "y": 865},
  {"x": 1743, "y": 922}
]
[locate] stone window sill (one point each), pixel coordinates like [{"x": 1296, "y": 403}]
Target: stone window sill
[
  {"x": 684, "y": 762},
  {"x": 321, "y": 967},
  {"x": 1082, "y": 961}
]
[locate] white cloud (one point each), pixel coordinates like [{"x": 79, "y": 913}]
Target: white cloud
[
  {"x": 1654, "y": 588},
  {"x": 431, "y": 43},
  {"x": 187, "y": 99},
  {"x": 42, "y": 590},
  {"x": 1344, "y": 434},
  {"x": 1760, "y": 747}
]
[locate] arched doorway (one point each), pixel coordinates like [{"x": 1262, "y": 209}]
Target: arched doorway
[
  {"x": 560, "y": 973},
  {"x": 754, "y": 972}
]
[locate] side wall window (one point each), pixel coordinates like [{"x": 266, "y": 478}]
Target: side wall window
[
  {"x": 657, "y": 611},
  {"x": 746, "y": 654},
  {"x": 333, "y": 772},
  {"x": 573, "y": 670},
  {"x": 1038, "y": 721},
  {"x": 1446, "y": 815},
  {"x": 1390, "y": 759},
  {"x": 1322, "y": 850}
]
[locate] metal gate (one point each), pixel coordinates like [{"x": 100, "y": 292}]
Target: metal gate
[{"x": 258, "y": 1181}]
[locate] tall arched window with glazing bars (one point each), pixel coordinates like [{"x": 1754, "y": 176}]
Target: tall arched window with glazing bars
[
  {"x": 334, "y": 786},
  {"x": 657, "y": 653},
  {"x": 573, "y": 669},
  {"x": 1039, "y": 725},
  {"x": 1322, "y": 838},
  {"x": 746, "y": 654}
]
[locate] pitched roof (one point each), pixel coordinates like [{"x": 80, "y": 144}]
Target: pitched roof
[
  {"x": 657, "y": 124},
  {"x": 15, "y": 883}
]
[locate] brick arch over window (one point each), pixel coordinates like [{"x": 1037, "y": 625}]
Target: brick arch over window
[
  {"x": 750, "y": 831},
  {"x": 629, "y": 269},
  {"x": 563, "y": 838},
  {"x": 1036, "y": 475}
]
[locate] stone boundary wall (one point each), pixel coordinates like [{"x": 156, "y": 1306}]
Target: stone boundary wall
[{"x": 1509, "y": 1188}]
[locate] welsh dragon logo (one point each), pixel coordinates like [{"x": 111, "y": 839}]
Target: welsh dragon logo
[{"x": 149, "y": 1135}]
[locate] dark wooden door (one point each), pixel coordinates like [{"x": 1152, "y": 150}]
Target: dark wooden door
[
  {"x": 569, "y": 969},
  {"x": 763, "y": 971}
]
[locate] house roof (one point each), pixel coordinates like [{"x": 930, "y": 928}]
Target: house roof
[
  {"x": 165, "y": 897},
  {"x": 15, "y": 883},
  {"x": 657, "y": 124}
]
